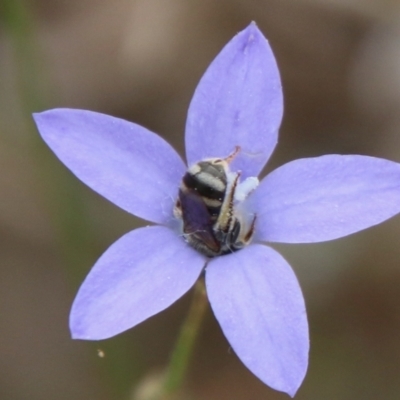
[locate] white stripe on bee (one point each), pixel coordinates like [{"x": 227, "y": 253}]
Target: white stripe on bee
[
  {"x": 194, "y": 169},
  {"x": 212, "y": 202},
  {"x": 211, "y": 181}
]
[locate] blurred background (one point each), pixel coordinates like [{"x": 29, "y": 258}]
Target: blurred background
[{"x": 141, "y": 60}]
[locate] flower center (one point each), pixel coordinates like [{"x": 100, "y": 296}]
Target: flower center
[{"x": 210, "y": 206}]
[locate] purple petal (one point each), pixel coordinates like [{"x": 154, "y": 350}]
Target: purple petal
[
  {"x": 258, "y": 302},
  {"x": 324, "y": 198},
  {"x": 238, "y": 102},
  {"x": 127, "y": 164},
  {"x": 141, "y": 274}
]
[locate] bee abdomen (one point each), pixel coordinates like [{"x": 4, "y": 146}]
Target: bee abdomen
[
  {"x": 213, "y": 207},
  {"x": 208, "y": 181}
]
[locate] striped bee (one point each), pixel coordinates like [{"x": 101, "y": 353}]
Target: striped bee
[{"x": 207, "y": 205}]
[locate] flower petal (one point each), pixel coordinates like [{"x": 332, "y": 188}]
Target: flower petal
[
  {"x": 141, "y": 274},
  {"x": 258, "y": 302},
  {"x": 127, "y": 164},
  {"x": 238, "y": 102},
  {"x": 324, "y": 198}
]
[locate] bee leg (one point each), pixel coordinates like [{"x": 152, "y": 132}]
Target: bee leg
[
  {"x": 225, "y": 218},
  {"x": 244, "y": 240},
  {"x": 250, "y": 232},
  {"x": 178, "y": 210},
  {"x": 232, "y": 155}
]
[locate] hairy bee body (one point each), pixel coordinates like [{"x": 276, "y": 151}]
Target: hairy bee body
[{"x": 206, "y": 205}]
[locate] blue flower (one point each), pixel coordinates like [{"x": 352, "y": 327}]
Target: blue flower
[{"x": 253, "y": 292}]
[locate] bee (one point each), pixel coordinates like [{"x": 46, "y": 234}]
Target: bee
[{"x": 208, "y": 205}]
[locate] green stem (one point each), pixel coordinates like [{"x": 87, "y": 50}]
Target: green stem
[
  {"x": 30, "y": 79},
  {"x": 178, "y": 365}
]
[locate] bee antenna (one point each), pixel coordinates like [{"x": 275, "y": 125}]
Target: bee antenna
[{"x": 233, "y": 154}]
